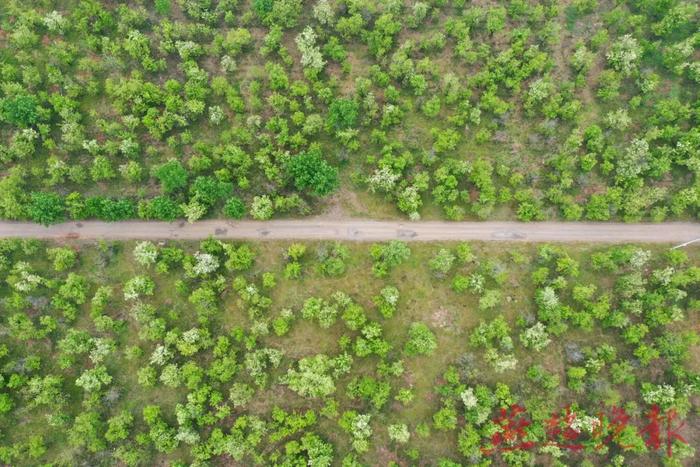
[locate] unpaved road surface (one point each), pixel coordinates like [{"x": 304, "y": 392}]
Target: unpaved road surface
[{"x": 361, "y": 230}]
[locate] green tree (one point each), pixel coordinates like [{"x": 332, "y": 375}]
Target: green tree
[
  {"x": 311, "y": 172},
  {"x": 63, "y": 258},
  {"x": 208, "y": 190},
  {"x": 5, "y": 403},
  {"x": 46, "y": 208},
  {"x": 234, "y": 208},
  {"x": 162, "y": 7},
  {"x": 284, "y": 13},
  {"x": 87, "y": 431},
  {"x": 314, "y": 376},
  {"x": 102, "y": 169},
  {"x": 118, "y": 426},
  {"x": 309, "y": 450},
  {"x": 20, "y": 110},
  {"x": 172, "y": 175},
  {"x": 342, "y": 114}
]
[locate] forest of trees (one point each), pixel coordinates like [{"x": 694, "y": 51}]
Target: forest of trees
[
  {"x": 526, "y": 109},
  {"x": 324, "y": 354}
]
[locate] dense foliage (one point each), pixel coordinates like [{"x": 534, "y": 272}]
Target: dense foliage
[
  {"x": 530, "y": 109},
  {"x": 332, "y": 354}
]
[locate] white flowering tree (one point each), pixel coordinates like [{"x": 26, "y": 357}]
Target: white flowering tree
[
  {"x": 311, "y": 57},
  {"x": 145, "y": 253},
  {"x": 205, "y": 263},
  {"x": 399, "y": 433},
  {"x": 624, "y": 55},
  {"x": 535, "y": 337}
]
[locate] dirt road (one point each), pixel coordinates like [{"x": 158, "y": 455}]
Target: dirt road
[{"x": 362, "y": 230}]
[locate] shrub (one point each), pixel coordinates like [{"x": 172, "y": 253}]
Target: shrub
[
  {"x": 145, "y": 253},
  {"x": 332, "y": 259},
  {"x": 399, "y": 433},
  {"x": 313, "y": 377},
  {"x": 138, "y": 286},
  {"x": 388, "y": 256},
  {"x": 490, "y": 299},
  {"x": 576, "y": 378},
  {"x": 445, "y": 419},
  {"x": 320, "y": 310},
  {"x": 442, "y": 262},
  {"x": 421, "y": 340},
  {"x": 387, "y": 301},
  {"x": 262, "y": 208},
  {"x": 535, "y": 337},
  {"x": 159, "y": 208}
]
